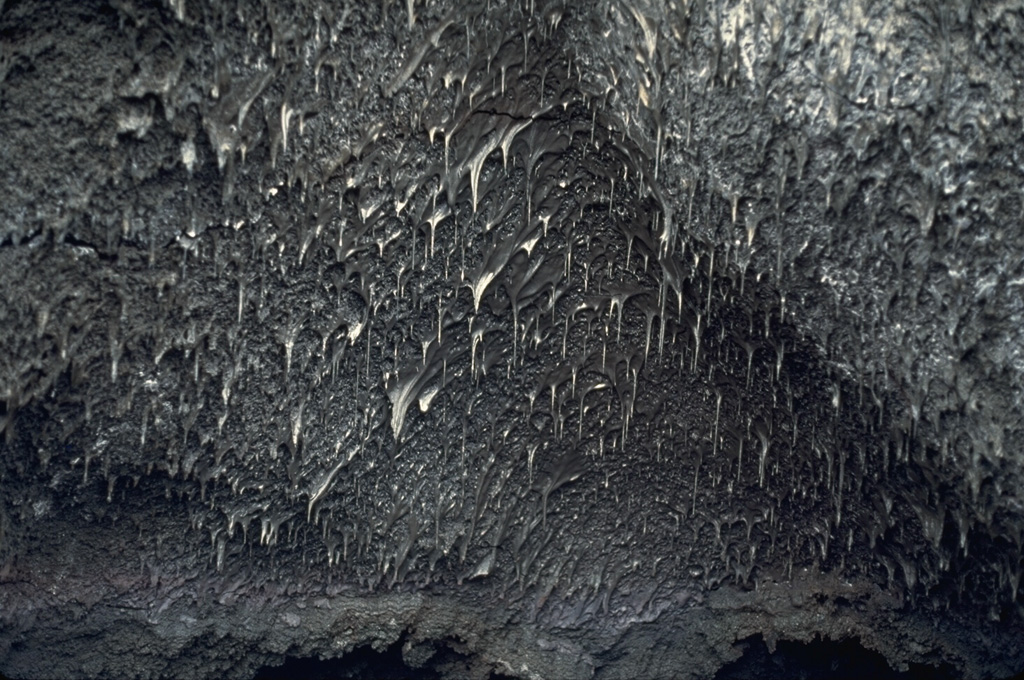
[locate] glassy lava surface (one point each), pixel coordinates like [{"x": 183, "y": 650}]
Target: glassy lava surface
[{"x": 586, "y": 313}]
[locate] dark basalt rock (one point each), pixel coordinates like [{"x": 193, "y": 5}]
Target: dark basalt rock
[{"x": 539, "y": 339}]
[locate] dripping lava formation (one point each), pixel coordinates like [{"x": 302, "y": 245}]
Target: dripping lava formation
[{"x": 529, "y": 339}]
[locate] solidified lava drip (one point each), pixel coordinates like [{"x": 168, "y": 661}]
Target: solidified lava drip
[{"x": 541, "y": 339}]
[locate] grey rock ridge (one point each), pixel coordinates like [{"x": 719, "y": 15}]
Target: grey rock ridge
[{"x": 533, "y": 339}]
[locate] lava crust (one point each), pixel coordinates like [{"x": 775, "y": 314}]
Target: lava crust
[{"x": 538, "y": 338}]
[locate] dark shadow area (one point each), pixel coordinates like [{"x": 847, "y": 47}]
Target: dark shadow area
[
  {"x": 365, "y": 663},
  {"x": 820, "y": 659}
]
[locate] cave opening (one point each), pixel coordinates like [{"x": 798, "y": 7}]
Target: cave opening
[
  {"x": 401, "y": 660},
  {"x": 821, "y": 658},
  {"x": 791, "y": 659}
]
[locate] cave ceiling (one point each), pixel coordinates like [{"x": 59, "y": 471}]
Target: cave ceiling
[{"x": 564, "y": 331}]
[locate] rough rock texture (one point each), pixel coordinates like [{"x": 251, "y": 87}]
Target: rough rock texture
[{"x": 576, "y": 339}]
